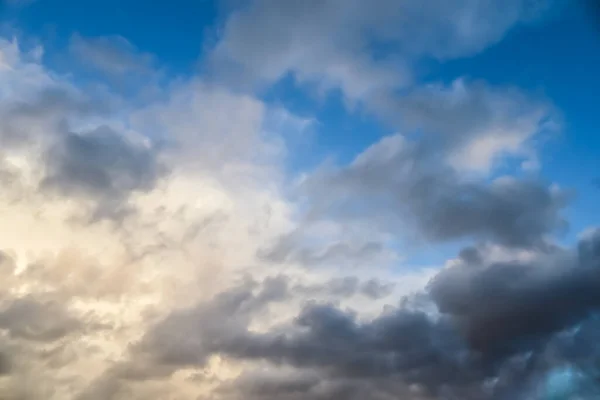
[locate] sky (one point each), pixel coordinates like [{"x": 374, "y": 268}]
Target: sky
[{"x": 285, "y": 200}]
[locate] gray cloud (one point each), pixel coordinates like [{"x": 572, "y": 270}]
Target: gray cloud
[
  {"x": 504, "y": 329},
  {"x": 398, "y": 185},
  {"x": 5, "y": 364},
  {"x": 403, "y": 345},
  {"x": 290, "y": 248},
  {"x": 36, "y": 320},
  {"x": 102, "y": 163},
  {"x": 44, "y": 116},
  {"x": 345, "y": 288},
  {"x": 454, "y": 115},
  {"x": 503, "y": 306},
  {"x": 202, "y": 330},
  {"x": 331, "y": 42},
  {"x": 375, "y": 289},
  {"x": 416, "y": 182},
  {"x": 298, "y": 385}
]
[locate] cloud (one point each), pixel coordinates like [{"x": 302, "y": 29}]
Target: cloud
[
  {"x": 439, "y": 178},
  {"x": 195, "y": 123},
  {"x": 402, "y": 346},
  {"x": 44, "y": 130},
  {"x": 101, "y": 163},
  {"x": 327, "y": 350},
  {"x": 321, "y": 336},
  {"x": 204, "y": 329},
  {"x": 65, "y": 274},
  {"x": 33, "y": 320},
  {"x": 78, "y": 289},
  {"x": 301, "y": 39},
  {"x": 332, "y": 42},
  {"x": 375, "y": 289},
  {"x": 346, "y": 287},
  {"x": 112, "y": 55},
  {"x": 220, "y": 275},
  {"x": 397, "y": 186},
  {"x": 473, "y": 126},
  {"x": 558, "y": 289},
  {"x": 353, "y": 251}
]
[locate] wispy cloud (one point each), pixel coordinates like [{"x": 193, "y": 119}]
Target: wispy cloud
[{"x": 113, "y": 55}]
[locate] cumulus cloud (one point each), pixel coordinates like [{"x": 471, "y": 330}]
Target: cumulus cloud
[
  {"x": 439, "y": 179},
  {"x": 330, "y": 42},
  {"x": 101, "y": 163},
  {"x": 559, "y": 289},
  {"x": 398, "y": 186},
  {"x": 331, "y": 353},
  {"x": 162, "y": 249},
  {"x": 65, "y": 272},
  {"x": 44, "y": 130},
  {"x": 474, "y": 126},
  {"x": 34, "y": 320},
  {"x": 184, "y": 182}
]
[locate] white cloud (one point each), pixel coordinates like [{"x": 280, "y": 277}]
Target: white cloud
[
  {"x": 139, "y": 240},
  {"x": 20, "y": 75},
  {"x": 334, "y": 45},
  {"x": 176, "y": 242},
  {"x": 332, "y": 42},
  {"x": 475, "y": 126}
]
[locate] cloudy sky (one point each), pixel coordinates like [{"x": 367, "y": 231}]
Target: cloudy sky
[{"x": 299, "y": 200}]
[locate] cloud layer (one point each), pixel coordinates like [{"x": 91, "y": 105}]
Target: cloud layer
[{"x": 159, "y": 246}]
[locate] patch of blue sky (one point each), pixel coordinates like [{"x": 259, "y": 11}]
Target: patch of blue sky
[{"x": 175, "y": 34}]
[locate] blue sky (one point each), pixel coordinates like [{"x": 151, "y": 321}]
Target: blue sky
[{"x": 285, "y": 182}]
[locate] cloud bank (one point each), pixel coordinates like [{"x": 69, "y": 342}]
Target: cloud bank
[{"x": 159, "y": 247}]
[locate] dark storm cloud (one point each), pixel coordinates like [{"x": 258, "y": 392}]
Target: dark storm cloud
[
  {"x": 397, "y": 184},
  {"x": 504, "y": 306},
  {"x": 101, "y": 163},
  {"x": 299, "y": 386},
  {"x": 503, "y": 328},
  {"x": 322, "y": 337},
  {"x": 203, "y": 330}
]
